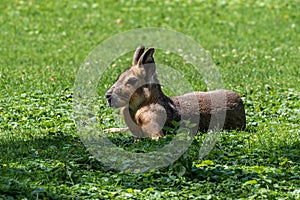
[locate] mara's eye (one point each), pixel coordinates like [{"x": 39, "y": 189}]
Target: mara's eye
[{"x": 131, "y": 81}]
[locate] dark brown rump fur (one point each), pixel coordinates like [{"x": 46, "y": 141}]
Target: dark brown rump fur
[{"x": 222, "y": 109}]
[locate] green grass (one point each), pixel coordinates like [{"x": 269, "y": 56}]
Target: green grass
[{"x": 255, "y": 46}]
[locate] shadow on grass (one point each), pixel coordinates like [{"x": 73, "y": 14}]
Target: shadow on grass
[{"x": 30, "y": 167}]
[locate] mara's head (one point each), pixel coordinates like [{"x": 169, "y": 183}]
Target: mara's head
[{"x": 131, "y": 86}]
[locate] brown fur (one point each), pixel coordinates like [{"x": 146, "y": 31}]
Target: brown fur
[{"x": 147, "y": 110}]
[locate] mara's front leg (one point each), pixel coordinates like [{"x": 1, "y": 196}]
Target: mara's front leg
[
  {"x": 133, "y": 127},
  {"x": 151, "y": 119}
]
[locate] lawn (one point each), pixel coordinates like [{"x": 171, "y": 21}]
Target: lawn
[{"x": 255, "y": 46}]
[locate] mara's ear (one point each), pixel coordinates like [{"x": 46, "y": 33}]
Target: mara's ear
[
  {"x": 137, "y": 54},
  {"x": 146, "y": 62},
  {"x": 147, "y": 57}
]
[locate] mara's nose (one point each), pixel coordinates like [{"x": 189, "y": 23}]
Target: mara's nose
[{"x": 108, "y": 97}]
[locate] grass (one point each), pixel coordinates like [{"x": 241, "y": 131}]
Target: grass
[{"x": 255, "y": 46}]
